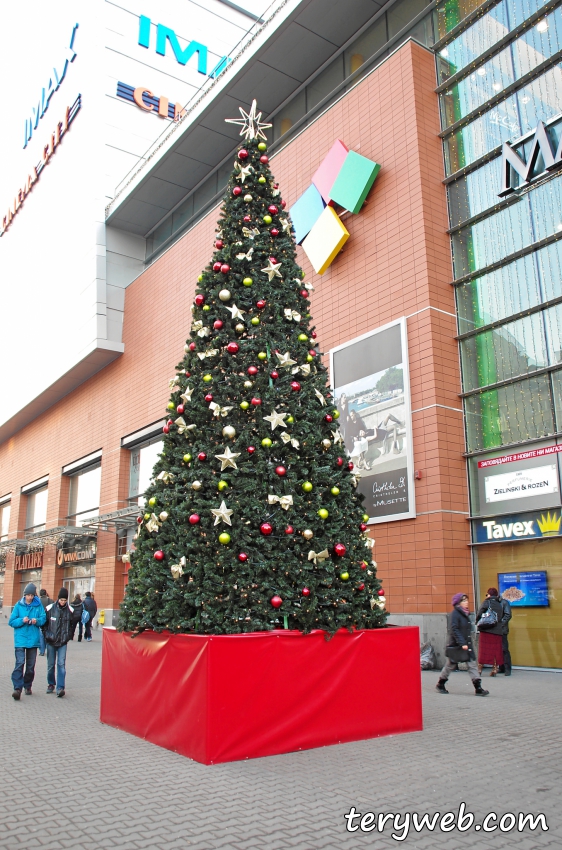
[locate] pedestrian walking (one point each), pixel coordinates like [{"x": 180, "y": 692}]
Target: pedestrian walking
[
  {"x": 506, "y": 617},
  {"x": 58, "y": 628},
  {"x": 460, "y": 647},
  {"x": 26, "y": 620},
  {"x": 45, "y": 600},
  {"x": 90, "y": 605},
  {"x": 78, "y": 606},
  {"x": 490, "y": 628}
]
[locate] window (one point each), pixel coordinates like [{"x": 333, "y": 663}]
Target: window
[
  {"x": 4, "y": 520},
  {"x": 84, "y": 497},
  {"x": 36, "y": 515},
  {"x": 143, "y": 459}
]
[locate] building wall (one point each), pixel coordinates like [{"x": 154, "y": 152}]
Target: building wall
[{"x": 396, "y": 262}]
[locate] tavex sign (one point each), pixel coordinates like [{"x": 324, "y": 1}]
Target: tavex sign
[{"x": 513, "y": 162}]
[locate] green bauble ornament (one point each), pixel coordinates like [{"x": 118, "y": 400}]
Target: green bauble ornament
[
  {"x": 366, "y": 517},
  {"x": 224, "y": 538},
  {"x": 152, "y": 502},
  {"x": 187, "y": 458},
  {"x": 206, "y": 308},
  {"x": 244, "y": 405},
  {"x": 262, "y": 147},
  {"x": 247, "y": 281},
  {"x": 147, "y": 516},
  {"x": 336, "y": 414},
  {"x": 335, "y": 491},
  {"x": 309, "y": 358},
  {"x": 262, "y": 355},
  {"x": 222, "y": 485},
  {"x": 307, "y": 486},
  {"x": 344, "y": 576},
  {"x": 266, "y": 442},
  {"x": 323, "y": 513},
  {"x": 207, "y": 378},
  {"x": 267, "y": 219},
  {"x": 262, "y": 179},
  {"x": 303, "y": 338},
  {"x": 171, "y": 405},
  {"x": 255, "y": 321},
  {"x": 200, "y": 278},
  {"x": 290, "y": 419}
]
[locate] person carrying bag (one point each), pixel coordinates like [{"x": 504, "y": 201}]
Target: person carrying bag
[
  {"x": 490, "y": 626},
  {"x": 460, "y": 647}
]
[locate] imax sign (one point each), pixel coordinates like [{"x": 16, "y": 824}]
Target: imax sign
[
  {"x": 541, "y": 154},
  {"x": 166, "y": 36}
]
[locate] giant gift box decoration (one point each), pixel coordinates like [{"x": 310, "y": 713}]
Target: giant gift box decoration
[{"x": 218, "y": 698}]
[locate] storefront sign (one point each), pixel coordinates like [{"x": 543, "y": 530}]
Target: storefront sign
[
  {"x": 166, "y": 35},
  {"x": 56, "y": 78},
  {"x": 512, "y": 161},
  {"x": 66, "y": 557},
  {"x": 145, "y": 100},
  {"x": 29, "y": 561},
  {"x": 371, "y": 386},
  {"x": 524, "y": 482},
  {"x": 544, "y": 451},
  {"x": 526, "y": 526},
  {"x": 48, "y": 151},
  {"x": 524, "y": 590}
]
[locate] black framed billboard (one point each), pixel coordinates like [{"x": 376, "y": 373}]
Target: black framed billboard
[
  {"x": 371, "y": 386},
  {"x": 524, "y": 590}
]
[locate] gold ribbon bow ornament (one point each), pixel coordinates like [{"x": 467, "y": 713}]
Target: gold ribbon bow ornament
[
  {"x": 219, "y": 411},
  {"x": 177, "y": 569},
  {"x": 165, "y": 476},
  {"x": 183, "y": 428},
  {"x": 292, "y": 315},
  {"x": 318, "y": 556}
]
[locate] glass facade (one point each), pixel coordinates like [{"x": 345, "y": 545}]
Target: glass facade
[
  {"x": 509, "y": 290},
  {"x": 84, "y": 497},
  {"x": 36, "y": 512},
  {"x": 4, "y": 520},
  {"x": 143, "y": 459}
]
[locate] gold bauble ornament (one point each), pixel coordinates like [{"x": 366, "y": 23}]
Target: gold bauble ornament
[
  {"x": 224, "y": 295},
  {"x": 196, "y": 485},
  {"x": 326, "y": 444},
  {"x": 229, "y": 431},
  {"x": 240, "y": 328},
  {"x": 308, "y": 534},
  {"x": 164, "y": 516},
  {"x": 248, "y": 384}
]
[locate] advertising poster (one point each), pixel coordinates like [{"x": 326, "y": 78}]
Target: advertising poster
[
  {"x": 371, "y": 386},
  {"x": 527, "y": 480},
  {"x": 524, "y": 590}
]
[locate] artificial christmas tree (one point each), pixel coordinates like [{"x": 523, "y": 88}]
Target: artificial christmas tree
[{"x": 252, "y": 522}]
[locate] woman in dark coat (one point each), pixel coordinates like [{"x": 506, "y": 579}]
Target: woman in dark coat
[
  {"x": 78, "y": 608},
  {"x": 490, "y": 645},
  {"x": 459, "y": 637}
]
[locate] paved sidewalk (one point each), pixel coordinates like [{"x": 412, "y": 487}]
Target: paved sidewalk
[{"x": 111, "y": 790}]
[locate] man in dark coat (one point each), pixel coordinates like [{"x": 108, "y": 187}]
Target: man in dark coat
[
  {"x": 61, "y": 618},
  {"x": 45, "y": 600},
  {"x": 459, "y": 638},
  {"x": 91, "y": 607},
  {"x": 506, "y": 617}
]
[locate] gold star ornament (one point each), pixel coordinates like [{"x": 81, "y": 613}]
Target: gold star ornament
[
  {"x": 222, "y": 514},
  {"x": 272, "y": 270},
  {"x": 251, "y": 123},
  {"x": 228, "y": 459},
  {"x": 276, "y": 419}
]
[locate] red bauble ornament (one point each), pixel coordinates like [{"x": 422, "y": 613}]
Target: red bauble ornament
[
  {"x": 276, "y": 601},
  {"x": 283, "y": 204},
  {"x": 264, "y": 158},
  {"x": 280, "y": 470},
  {"x": 274, "y": 231},
  {"x": 272, "y": 209},
  {"x": 329, "y": 418},
  {"x": 339, "y": 461},
  {"x": 237, "y": 191},
  {"x": 242, "y": 557},
  {"x": 252, "y": 370},
  {"x": 260, "y": 304},
  {"x": 313, "y": 334},
  {"x": 180, "y": 409},
  {"x": 232, "y": 347},
  {"x": 139, "y": 519},
  {"x": 340, "y": 550},
  {"x": 199, "y": 300},
  {"x": 217, "y": 267},
  {"x": 304, "y": 293},
  {"x": 170, "y": 422},
  {"x": 159, "y": 555},
  {"x": 295, "y": 386},
  {"x": 225, "y": 268},
  {"x": 312, "y": 352},
  {"x": 350, "y": 465},
  {"x": 274, "y": 375},
  {"x": 276, "y": 185},
  {"x": 362, "y": 527},
  {"x": 166, "y": 429},
  {"x": 217, "y": 324},
  {"x": 202, "y": 456},
  {"x": 219, "y": 244},
  {"x": 188, "y": 374},
  {"x": 194, "y": 519},
  {"x": 209, "y": 397},
  {"x": 266, "y": 528},
  {"x": 243, "y": 153},
  {"x": 305, "y": 591},
  {"x": 381, "y": 591},
  {"x": 192, "y": 346},
  {"x": 289, "y": 530},
  {"x": 363, "y": 565},
  {"x": 247, "y": 218},
  {"x": 361, "y": 586},
  {"x": 251, "y": 450},
  {"x": 255, "y": 401},
  {"x": 272, "y": 260}
]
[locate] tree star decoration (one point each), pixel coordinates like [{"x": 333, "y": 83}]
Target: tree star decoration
[
  {"x": 285, "y": 360},
  {"x": 186, "y": 396},
  {"x": 338, "y": 438},
  {"x": 286, "y": 224},
  {"x": 276, "y": 419},
  {"x": 219, "y": 411},
  {"x": 272, "y": 270},
  {"x": 320, "y": 397},
  {"x": 251, "y": 123},
  {"x": 243, "y": 171},
  {"x": 228, "y": 459},
  {"x": 222, "y": 514},
  {"x": 235, "y": 313}
]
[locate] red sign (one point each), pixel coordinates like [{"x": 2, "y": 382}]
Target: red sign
[
  {"x": 29, "y": 561},
  {"x": 497, "y": 461}
]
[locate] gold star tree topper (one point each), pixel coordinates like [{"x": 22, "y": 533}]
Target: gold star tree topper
[{"x": 251, "y": 123}]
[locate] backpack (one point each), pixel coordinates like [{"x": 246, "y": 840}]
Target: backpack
[{"x": 85, "y": 616}]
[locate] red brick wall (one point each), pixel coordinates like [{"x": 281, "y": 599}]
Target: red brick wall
[{"x": 396, "y": 262}]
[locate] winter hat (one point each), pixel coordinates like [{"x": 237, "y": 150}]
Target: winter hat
[
  {"x": 457, "y": 598},
  {"x": 63, "y": 593},
  {"x": 30, "y": 588},
  {"x": 492, "y": 591}
]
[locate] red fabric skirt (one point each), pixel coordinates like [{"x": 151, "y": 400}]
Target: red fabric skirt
[{"x": 490, "y": 649}]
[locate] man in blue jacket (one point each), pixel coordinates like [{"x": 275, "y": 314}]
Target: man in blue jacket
[{"x": 26, "y": 620}]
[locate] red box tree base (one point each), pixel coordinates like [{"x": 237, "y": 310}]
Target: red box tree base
[{"x": 230, "y": 697}]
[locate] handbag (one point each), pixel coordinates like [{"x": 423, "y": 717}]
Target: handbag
[
  {"x": 488, "y": 620},
  {"x": 457, "y": 653}
]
